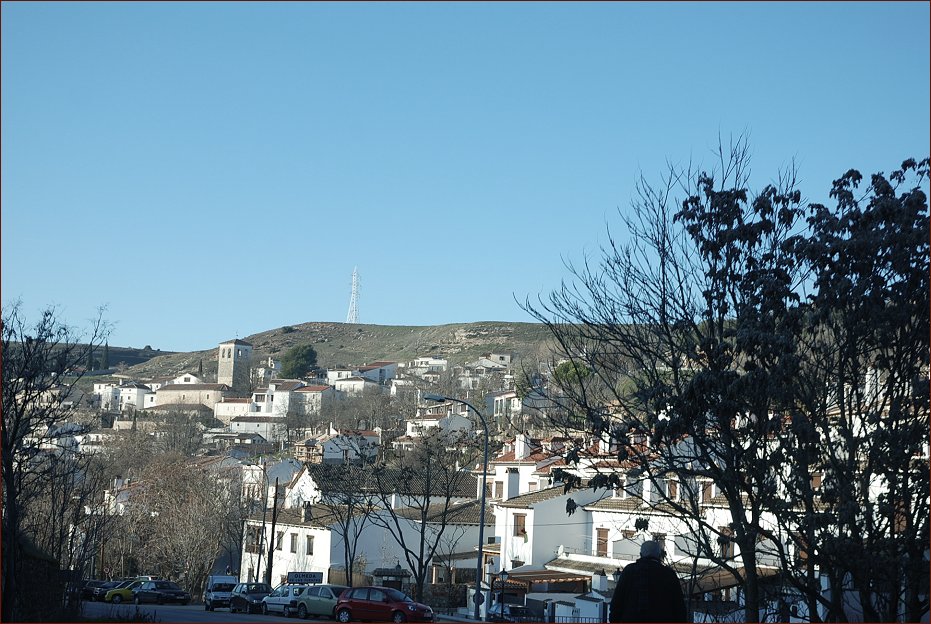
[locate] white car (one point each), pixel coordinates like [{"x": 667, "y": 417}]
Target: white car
[{"x": 283, "y": 599}]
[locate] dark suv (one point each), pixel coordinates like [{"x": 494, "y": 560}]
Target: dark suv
[
  {"x": 247, "y": 597},
  {"x": 380, "y": 604}
]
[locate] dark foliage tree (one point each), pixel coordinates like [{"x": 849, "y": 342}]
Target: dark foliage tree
[
  {"x": 695, "y": 331},
  {"x": 297, "y": 361},
  {"x": 857, "y": 447}
]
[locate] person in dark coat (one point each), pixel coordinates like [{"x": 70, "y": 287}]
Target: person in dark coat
[{"x": 648, "y": 591}]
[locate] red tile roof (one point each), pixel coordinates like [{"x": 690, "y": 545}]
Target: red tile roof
[{"x": 313, "y": 388}]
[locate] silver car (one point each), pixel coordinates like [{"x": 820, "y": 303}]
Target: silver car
[{"x": 319, "y": 600}]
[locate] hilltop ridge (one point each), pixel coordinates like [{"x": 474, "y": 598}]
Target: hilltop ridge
[{"x": 344, "y": 344}]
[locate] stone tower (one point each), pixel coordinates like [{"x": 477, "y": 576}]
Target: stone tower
[{"x": 234, "y": 361}]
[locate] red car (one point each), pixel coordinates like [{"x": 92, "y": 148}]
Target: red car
[{"x": 380, "y": 604}]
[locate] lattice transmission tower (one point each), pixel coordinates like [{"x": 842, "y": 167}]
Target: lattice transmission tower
[{"x": 353, "y": 315}]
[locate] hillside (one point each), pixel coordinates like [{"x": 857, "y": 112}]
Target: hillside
[{"x": 342, "y": 344}]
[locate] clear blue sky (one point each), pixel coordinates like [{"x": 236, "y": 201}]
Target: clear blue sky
[{"x": 214, "y": 170}]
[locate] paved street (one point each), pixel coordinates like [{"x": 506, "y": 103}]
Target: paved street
[
  {"x": 174, "y": 613},
  {"x": 185, "y": 613}
]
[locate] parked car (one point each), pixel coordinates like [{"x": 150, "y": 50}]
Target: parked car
[
  {"x": 247, "y": 597},
  {"x": 380, "y": 604},
  {"x": 217, "y": 591},
  {"x": 503, "y": 612},
  {"x": 87, "y": 588},
  {"x": 283, "y": 599},
  {"x": 319, "y": 600},
  {"x": 160, "y": 592},
  {"x": 123, "y": 592},
  {"x": 95, "y": 590}
]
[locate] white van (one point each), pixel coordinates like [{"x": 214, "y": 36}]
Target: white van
[{"x": 217, "y": 591}]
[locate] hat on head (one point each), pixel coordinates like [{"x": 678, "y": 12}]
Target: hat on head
[{"x": 651, "y": 548}]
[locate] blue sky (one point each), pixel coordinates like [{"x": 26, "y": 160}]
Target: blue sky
[{"x": 207, "y": 171}]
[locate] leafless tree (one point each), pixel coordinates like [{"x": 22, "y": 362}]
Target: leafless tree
[
  {"x": 41, "y": 363},
  {"x": 417, "y": 496},
  {"x": 184, "y": 533}
]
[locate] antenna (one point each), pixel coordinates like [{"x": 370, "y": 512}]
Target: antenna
[{"x": 353, "y": 315}]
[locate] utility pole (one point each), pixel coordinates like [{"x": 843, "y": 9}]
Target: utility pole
[{"x": 272, "y": 542}]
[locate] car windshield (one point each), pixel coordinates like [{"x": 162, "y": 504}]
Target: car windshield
[
  {"x": 223, "y": 587},
  {"x": 111, "y": 584},
  {"x": 258, "y": 588},
  {"x": 122, "y": 584},
  {"x": 397, "y": 596},
  {"x": 166, "y": 585}
]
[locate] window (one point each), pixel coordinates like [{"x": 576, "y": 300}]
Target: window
[
  {"x": 520, "y": 521},
  {"x": 707, "y": 489},
  {"x": 187, "y": 380},
  {"x": 499, "y": 489},
  {"x": 726, "y": 542},
  {"x": 816, "y": 481},
  {"x": 672, "y": 489},
  {"x": 601, "y": 545},
  {"x": 376, "y": 595},
  {"x": 309, "y": 546},
  {"x": 294, "y": 542},
  {"x": 279, "y": 538}
]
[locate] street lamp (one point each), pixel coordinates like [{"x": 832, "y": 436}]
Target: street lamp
[
  {"x": 616, "y": 576},
  {"x": 502, "y": 577},
  {"x": 479, "y": 597}
]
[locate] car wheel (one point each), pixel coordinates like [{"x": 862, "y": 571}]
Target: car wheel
[
  {"x": 116, "y": 599},
  {"x": 398, "y": 617},
  {"x": 302, "y": 611},
  {"x": 343, "y": 615},
  {"x": 232, "y": 608},
  {"x": 264, "y": 608}
]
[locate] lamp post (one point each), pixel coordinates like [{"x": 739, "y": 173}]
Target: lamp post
[
  {"x": 479, "y": 597},
  {"x": 502, "y": 579}
]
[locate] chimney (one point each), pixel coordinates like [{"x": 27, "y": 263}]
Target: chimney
[
  {"x": 307, "y": 512},
  {"x": 600, "y": 581},
  {"x": 521, "y": 446}
]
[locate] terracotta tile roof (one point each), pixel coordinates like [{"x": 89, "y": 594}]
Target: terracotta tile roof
[
  {"x": 286, "y": 385},
  {"x": 237, "y": 341},
  {"x": 528, "y": 500},
  {"x": 292, "y": 517},
  {"x": 375, "y": 365},
  {"x": 463, "y": 513},
  {"x": 631, "y": 503},
  {"x": 183, "y": 387},
  {"x": 259, "y": 419},
  {"x": 338, "y": 477},
  {"x": 234, "y": 400},
  {"x": 313, "y": 388}
]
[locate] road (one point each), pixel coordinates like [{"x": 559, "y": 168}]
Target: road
[
  {"x": 172, "y": 613},
  {"x": 181, "y": 613}
]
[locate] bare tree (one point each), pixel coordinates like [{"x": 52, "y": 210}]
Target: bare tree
[
  {"x": 417, "y": 497},
  {"x": 183, "y": 535},
  {"x": 348, "y": 506},
  {"x": 41, "y": 363}
]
